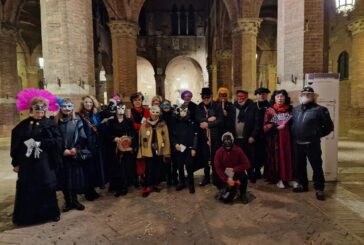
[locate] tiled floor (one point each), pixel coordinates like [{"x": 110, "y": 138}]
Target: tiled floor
[{"x": 273, "y": 217}]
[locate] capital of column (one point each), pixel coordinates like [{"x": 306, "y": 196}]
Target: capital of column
[
  {"x": 223, "y": 54},
  {"x": 7, "y": 30},
  {"x": 247, "y": 26},
  {"x": 121, "y": 28},
  {"x": 212, "y": 68},
  {"x": 357, "y": 26}
]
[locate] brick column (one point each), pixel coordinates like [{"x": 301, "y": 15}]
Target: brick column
[
  {"x": 33, "y": 76},
  {"x": 124, "y": 51},
  {"x": 357, "y": 62},
  {"x": 67, "y": 44},
  {"x": 8, "y": 81},
  {"x": 212, "y": 69},
  {"x": 224, "y": 68},
  {"x": 160, "y": 84},
  {"x": 245, "y": 32}
]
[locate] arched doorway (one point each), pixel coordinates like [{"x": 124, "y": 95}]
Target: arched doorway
[
  {"x": 146, "y": 79},
  {"x": 183, "y": 73}
]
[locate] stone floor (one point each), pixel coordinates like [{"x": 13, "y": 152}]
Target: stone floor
[{"x": 273, "y": 216}]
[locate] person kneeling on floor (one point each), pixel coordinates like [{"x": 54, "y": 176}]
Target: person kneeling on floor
[{"x": 231, "y": 165}]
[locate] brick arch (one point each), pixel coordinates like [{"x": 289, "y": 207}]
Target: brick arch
[
  {"x": 11, "y": 11},
  {"x": 232, "y": 7}
]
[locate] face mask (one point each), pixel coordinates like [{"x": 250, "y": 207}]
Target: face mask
[
  {"x": 183, "y": 112},
  {"x": 165, "y": 106},
  {"x": 120, "y": 110},
  {"x": 227, "y": 143},
  {"x": 39, "y": 107},
  {"x": 154, "y": 110},
  {"x": 305, "y": 100},
  {"x": 67, "y": 106}
]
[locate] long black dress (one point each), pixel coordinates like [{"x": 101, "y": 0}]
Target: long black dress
[
  {"x": 122, "y": 169},
  {"x": 35, "y": 199}
]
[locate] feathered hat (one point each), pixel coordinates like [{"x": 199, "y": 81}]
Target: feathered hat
[{"x": 24, "y": 98}]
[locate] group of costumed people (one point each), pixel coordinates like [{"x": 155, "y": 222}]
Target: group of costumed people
[{"x": 78, "y": 152}]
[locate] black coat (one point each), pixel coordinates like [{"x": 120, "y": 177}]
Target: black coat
[
  {"x": 225, "y": 126},
  {"x": 252, "y": 126},
  {"x": 185, "y": 132},
  {"x": 215, "y": 126},
  {"x": 311, "y": 122},
  {"x": 35, "y": 199}
]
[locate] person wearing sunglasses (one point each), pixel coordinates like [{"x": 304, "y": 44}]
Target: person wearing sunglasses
[{"x": 209, "y": 118}]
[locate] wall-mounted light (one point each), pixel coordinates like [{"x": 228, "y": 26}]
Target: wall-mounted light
[
  {"x": 344, "y": 6},
  {"x": 41, "y": 62}
]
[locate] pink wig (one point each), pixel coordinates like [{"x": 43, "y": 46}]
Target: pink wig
[{"x": 24, "y": 97}]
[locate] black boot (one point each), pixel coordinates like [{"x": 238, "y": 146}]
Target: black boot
[
  {"x": 244, "y": 198},
  {"x": 68, "y": 201},
  {"x": 76, "y": 204},
  {"x": 181, "y": 186},
  {"x": 320, "y": 195},
  {"x": 191, "y": 185},
  {"x": 205, "y": 181}
]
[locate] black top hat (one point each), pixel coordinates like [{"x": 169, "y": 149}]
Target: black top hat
[
  {"x": 262, "y": 91},
  {"x": 206, "y": 91},
  {"x": 307, "y": 90}
]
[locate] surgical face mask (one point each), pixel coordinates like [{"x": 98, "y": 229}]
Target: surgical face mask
[
  {"x": 120, "y": 110},
  {"x": 67, "y": 106},
  {"x": 39, "y": 107},
  {"x": 305, "y": 100}
]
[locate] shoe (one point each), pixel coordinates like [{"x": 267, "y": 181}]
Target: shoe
[
  {"x": 293, "y": 184},
  {"x": 78, "y": 206},
  {"x": 280, "y": 185},
  {"x": 174, "y": 182},
  {"x": 320, "y": 196},
  {"x": 56, "y": 219},
  {"x": 90, "y": 197},
  {"x": 244, "y": 198},
  {"x": 117, "y": 194},
  {"x": 191, "y": 188},
  {"x": 253, "y": 180},
  {"x": 145, "y": 191},
  {"x": 300, "y": 189},
  {"x": 123, "y": 192},
  {"x": 67, "y": 208},
  {"x": 157, "y": 188},
  {"x": 180, "y": 187},
  {"x": 205, "y": 181}
]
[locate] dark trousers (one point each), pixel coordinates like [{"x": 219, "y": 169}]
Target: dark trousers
[
  {"x": 312, "y": 152},
  {"x": 153, "y": 170},
  {"x": 242, "y": 177},
  {"x": 185, "y": 159},
  {"x": 248, "y": 149},
  {"x": 170, "y": 168},
  {"x": 208, "y": 154}
]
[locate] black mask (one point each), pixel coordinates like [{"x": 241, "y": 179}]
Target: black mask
[{"x": 227, "y": 143}]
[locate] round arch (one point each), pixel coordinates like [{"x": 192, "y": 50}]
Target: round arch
[
  {"x": 183, "y": 73},
  {"x": 146, "y": 79}
]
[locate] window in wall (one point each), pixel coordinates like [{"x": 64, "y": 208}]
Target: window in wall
[
  {"x": 143, "y": 23},
  {"x": 183, "y": 21},
  {"x": 191, "y": 21},
  {"x": 343, "y": 65},
  {"x": 175, "y": 20}
]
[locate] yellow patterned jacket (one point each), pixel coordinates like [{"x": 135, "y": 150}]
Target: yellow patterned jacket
[{"x": 145, "y": 140}]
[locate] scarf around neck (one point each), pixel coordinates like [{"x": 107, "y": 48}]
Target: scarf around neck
[
  {"x": 283, "y": 108},
  {"x": 242, "y": 110}
]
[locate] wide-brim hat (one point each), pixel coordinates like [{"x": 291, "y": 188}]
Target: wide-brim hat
[
  {"x": 262, "y": 91},
  {"x": 206, "y": 91}
]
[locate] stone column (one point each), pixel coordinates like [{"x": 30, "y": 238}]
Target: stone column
[
  {"x": 357, "y": 62},
  {"x": 67, "y": 43},
  {"x": 124, "y": 51},
  {"x": 8, "y": 80},
  {"x": 33, "y": 72},
  {"x": 224, "y": 68},
  {"x": 160, "y": 82},
  {"x": 245, "y": 32},
  {"x": 212, "y": 69}
]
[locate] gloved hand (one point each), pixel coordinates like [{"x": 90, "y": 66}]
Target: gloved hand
[
  {"x": 37, "y": 150},
  {"x": 31, "y": 145}
]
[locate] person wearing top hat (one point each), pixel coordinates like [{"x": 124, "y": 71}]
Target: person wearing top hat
[
  {"x": 310, "y": 123},
  {"x": 209, "y": 118},
  {"x": 259, "y": 154}
]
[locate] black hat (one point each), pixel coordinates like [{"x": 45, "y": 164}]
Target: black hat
[
  {"x": 262, "y": 91},
  {"x": 206, "y": 91},
  {"x": 307, "y": 90}
]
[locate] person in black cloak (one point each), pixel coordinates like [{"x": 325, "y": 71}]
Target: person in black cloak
[
  {"x": 36, "y": 153},
  {"x": 71, "y": 179},
  {"x": 124, "y": 144},
  {"x": 184, "y": 141}
]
